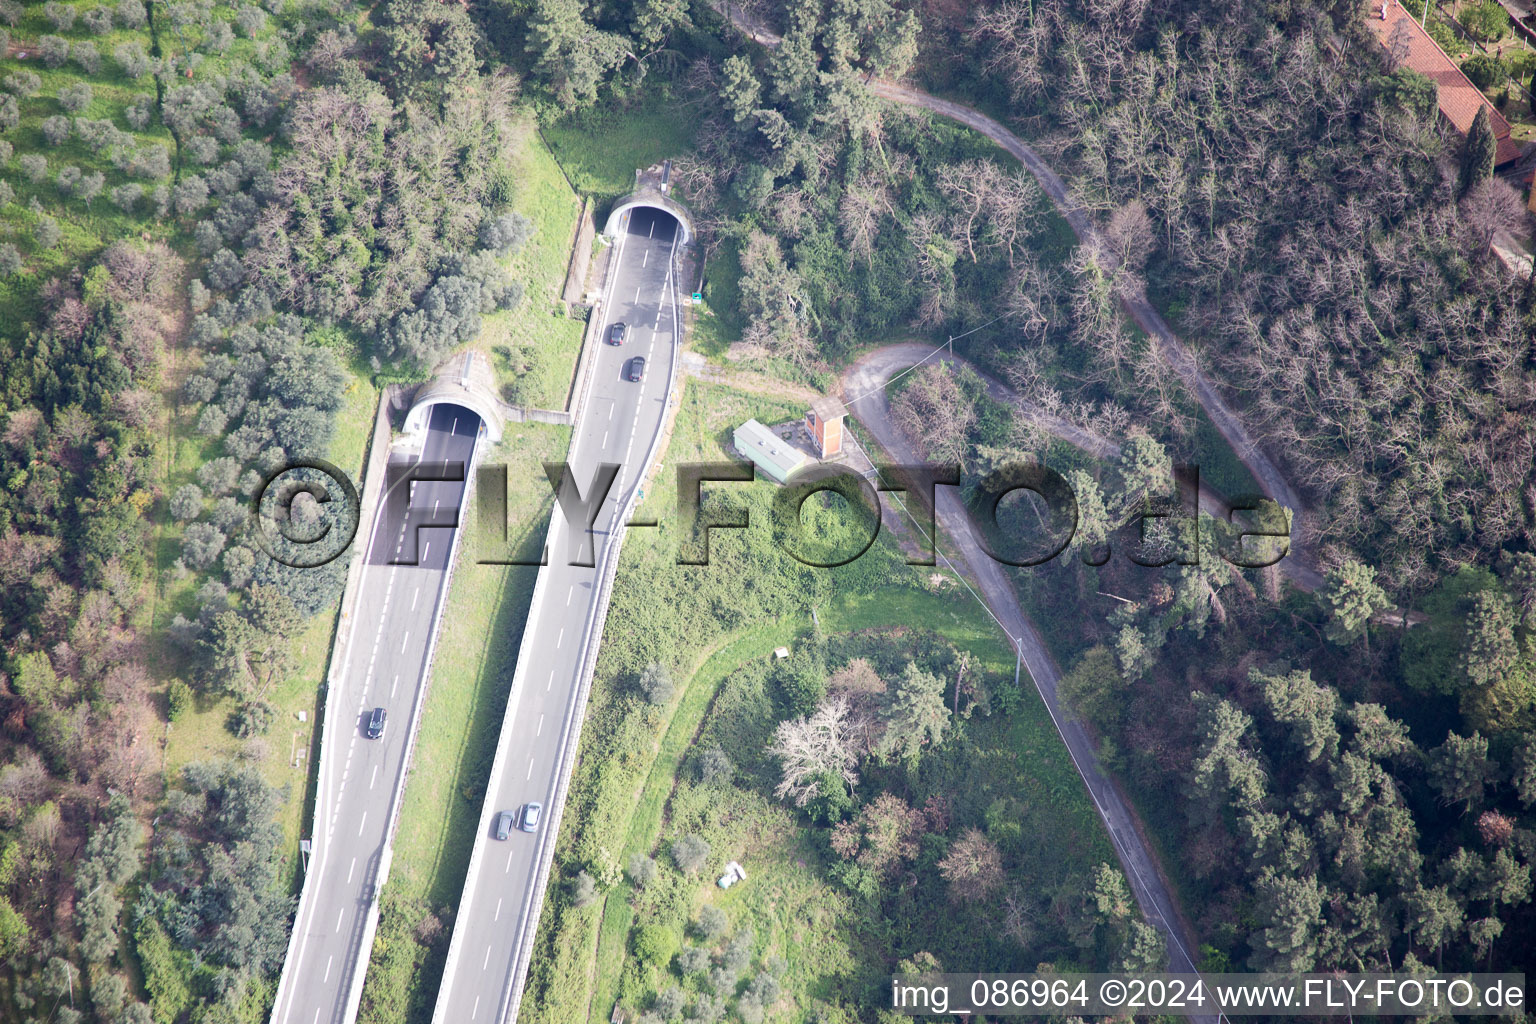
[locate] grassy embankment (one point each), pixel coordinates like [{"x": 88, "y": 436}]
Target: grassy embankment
[{"x": 634, "y": 792}]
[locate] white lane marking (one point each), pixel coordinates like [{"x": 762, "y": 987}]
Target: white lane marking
[
  {"x": 610, "y": 412},
  {"x": 327, "y": 971},
  {"x": 476, "y": 1009},
  {"x": 436, "y": 503},
  {"x": 651, "y": 233},
  {"x": 405, "y": 641},
  {"x": 394, "y": 685},
  {"x": 487, "y": 961},
  {"x": 637, "y": 294},
  {"x": 351, "y": 868},
  {"x": 360, "y": 824},
  {"x": 568, "y": 595},
  {"x": 645, "y": 258},
  {"x": 455, "y": 428},
  {"x": 530, "y": 768},
  {"x": 317, "y": 1017},
  {"x": 540, "y": 730},
  {"x": 426, "y": 551},
  {"x": 414, "y": 595},
  {"x": 373, "y": 780},
  {"x": 561, "y": 638},
  {"x": 605, "y": 440},
  {"x": 551, "y": 681},
  {"x": 497, "y": 916},
  {"x": 343, "y": 910},
  {"x": 504, "y": 870}
]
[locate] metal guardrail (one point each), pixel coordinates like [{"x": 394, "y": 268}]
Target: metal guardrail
[
  {"x": 413, "y": 728},
  {"x": 341, "y": 651}
]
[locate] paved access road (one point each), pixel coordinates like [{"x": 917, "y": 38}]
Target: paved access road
[
  {"x": 498, "y": 912},
  {"x": 865, "y": 390},
  {"x": 384, "y": 666}
]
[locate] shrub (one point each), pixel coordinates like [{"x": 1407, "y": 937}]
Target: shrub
[
  {"x": 138, "y": 114},
  {"x": 655, "y": 683},
  {"x": 75, "y": 97},
  {"x": 126, "y": 197},
  {"x": 201, "y": 544},
  {"x": 23, "y": 83},
  {"x": 86, "y": 55},
  {"x": 252, "y": 718},
  {"x": 10, "y": 113},
  {"x": 55, "y": 129},
  {"x": 132, "y": 59},
  {"x": 641, "y": 870},
  {"x": 5, "y": 152},
  {"x": 34, "y": 166},
  {"x": 712, "y": 922},
  {"x": 131, "y": 13},
  {"x": 218, "y": 476},
  {"x": 654, "y": 945},
  {"x": 187, "y": 503},
  {"x": 10, "y": 259},
  {"x": 98, "y": 20},
  {"x": 505, "y": 233},
  {"x": 583, "y": 889},
  {"x": 47, "y": 232},
  {"x": 178, "y": 698},
  {"x": 10, "y": 12},
  {"x": 89, "y": 187},
  {"x": 6, "y": 192},
  {"x": 54, "y": 50},
  {"x": 1486, "y": 20},
  {"x": 62, "y": 15},
  {"x": 690, "y": 853},
  {"x": 190, "y": 195},
  {"x": 66, "y": 179},
  {"x": 251, "y": 20},
  {"x": 1482, "y": 69}
]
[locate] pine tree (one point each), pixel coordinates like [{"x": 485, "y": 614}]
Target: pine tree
[{"x": 1351, "y": 596}]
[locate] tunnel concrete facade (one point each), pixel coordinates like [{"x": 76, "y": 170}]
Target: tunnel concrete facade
[
  {"x": 653, "y": 191},
  {"x": 465, "y": 381}
]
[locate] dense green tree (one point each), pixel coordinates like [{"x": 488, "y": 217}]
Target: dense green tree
[
  {"x": 1478, "y": 152},
  {"x": 1460, "y": 769},
  {"x": 1306, "y": 707},
  {"x": 914, "y": 715},
  {"x": 740, "y": 89},
  {"x": 1350, "y": 596}
]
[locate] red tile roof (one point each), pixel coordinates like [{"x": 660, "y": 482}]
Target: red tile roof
[{"x": 1459, "y": 98}]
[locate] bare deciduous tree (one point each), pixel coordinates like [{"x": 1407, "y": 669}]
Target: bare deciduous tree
[{"x": 812, "y": 748}]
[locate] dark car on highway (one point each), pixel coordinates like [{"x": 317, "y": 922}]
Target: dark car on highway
[
  {"x": 503, "y": 824},
  {"x": 616, "y": 333},
  {"x": 376, "y": 724},
  {"x": 637, "y": 368}
]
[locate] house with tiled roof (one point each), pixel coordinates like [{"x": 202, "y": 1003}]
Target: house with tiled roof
[{"x": 1459, "y": 99}]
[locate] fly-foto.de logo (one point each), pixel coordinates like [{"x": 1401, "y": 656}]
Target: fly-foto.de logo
[{"x": 1022, "y": 514}]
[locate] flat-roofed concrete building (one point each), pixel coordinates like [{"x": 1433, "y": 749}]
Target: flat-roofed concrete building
[{"x": 772, "y": 454}]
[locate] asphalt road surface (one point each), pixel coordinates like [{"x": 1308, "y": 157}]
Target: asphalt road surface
[
  {"x": 498, "y": 912},
  {"x": 384, "y": 666}
]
